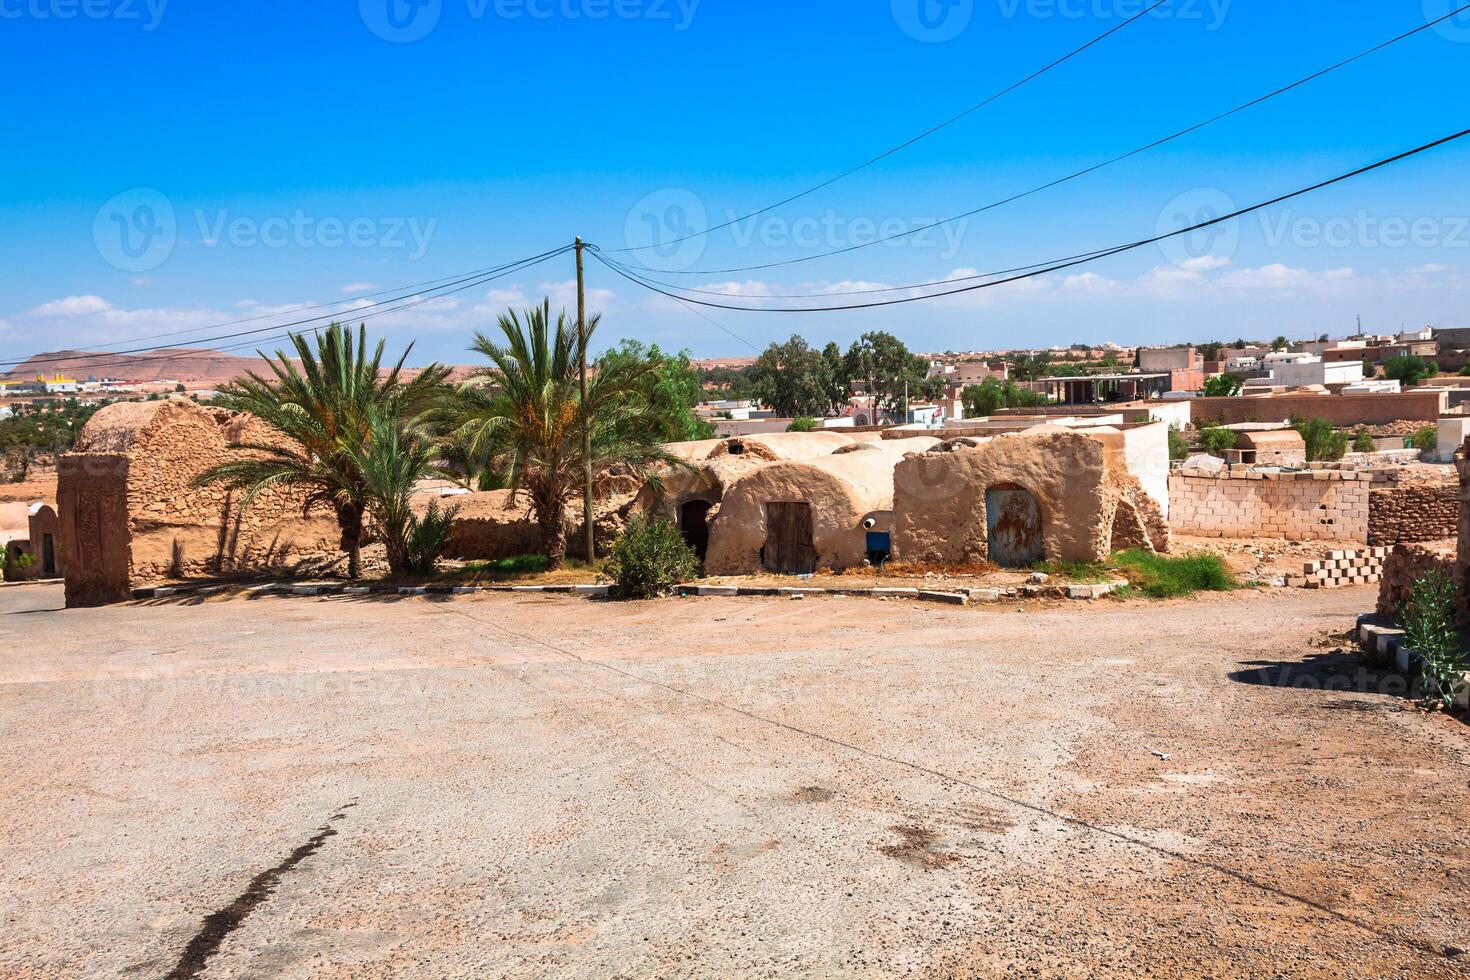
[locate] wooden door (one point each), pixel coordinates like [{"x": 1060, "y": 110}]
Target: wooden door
[{"x": 790, "y": 549}]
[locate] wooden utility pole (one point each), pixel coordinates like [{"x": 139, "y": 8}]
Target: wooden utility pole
[{"x": 586, "y": 421}]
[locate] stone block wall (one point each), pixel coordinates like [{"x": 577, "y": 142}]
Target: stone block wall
[
  {"x": 1336, "y": 569},
  {"x": 1413, "y": 512},
  {"x": 1318, "y": 505}
]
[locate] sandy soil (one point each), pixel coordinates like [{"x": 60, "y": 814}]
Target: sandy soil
[{"x": 509, "y": 786}]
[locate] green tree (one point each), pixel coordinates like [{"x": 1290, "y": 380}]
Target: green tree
[
  {"x": 671, "y": 387},
  {"x": 1223, "y": 385},
  {"x": 839, "y": 382},
  {"x": 992, "y": 395},
  {"x": 392, "y": 461},
  {"x": 523, "y": 416},
  {"x": 1280, "y": 343},
  {"x": 323, "y": 402},
  {"x": 1178, "y": 445},
  {"x": 1409, "y": 370},
  {"x": 1033, "y": 367},
  {"x": 802, "y": 424},
  {"x": 892, "y": 373},
  {"x": 1211, "y": 351},
  {"x": 1363, "y": 442},
  {"x": 1215, "y": 440},
  {"x": 791, "y": 379},
  {"x": 1323, "y": 441}
]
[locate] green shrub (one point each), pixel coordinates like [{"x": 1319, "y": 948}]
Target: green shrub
[
  {"x": 1166, "y": 577},
  {"x": 1215, "y": 441},
  {"x": 16, "y": 565},
  {"x": 1428, "y": 622},
  {"x": 427, "y": 537},
  {"x": 802, "y": 425},
  {"x": 1324, "y": 443},
  {"x": 1363, "y": 442},
  {"x": 1223, "y": 385},
  {"x": 650, "y": 558},
  {"x": 1178, "y": 445},
  {"x": 1424, "y": 439}
]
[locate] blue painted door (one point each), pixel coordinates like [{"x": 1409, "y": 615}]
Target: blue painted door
[{"x": 1013, "y": 526}]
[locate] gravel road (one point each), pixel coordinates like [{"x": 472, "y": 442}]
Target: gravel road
[{"x": 513, "y": 786}]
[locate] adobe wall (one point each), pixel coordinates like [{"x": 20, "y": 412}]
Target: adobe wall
[
  {"x": 43, "y": 522},
  {"x": 1318, "y": 505},
  {"x": 130, "y": 513},
  {"x": 843, "y": 490},
  {"x": 1342, "y": 410},
  {"x": 1080, "y": 483},
  {"x": 492, "y": 525},
  {"x": 1406, "y": 564}
]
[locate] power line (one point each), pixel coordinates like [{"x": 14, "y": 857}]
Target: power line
[
  {"x": 1070, "y": 177},
  {"x": 356, "y": 314},
  {"x": 1088, "y": 257},
  {"x": 407, "y": 290},
  {"x": 911, "y": 141},
  {"x": 383, "y": 310}
]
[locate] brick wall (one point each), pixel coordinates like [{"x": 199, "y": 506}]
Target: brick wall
[
  {"x": 1341, "y": 410},
  {"x": 1413, "y": 512},
  {"x": 1320, "y": 505}
]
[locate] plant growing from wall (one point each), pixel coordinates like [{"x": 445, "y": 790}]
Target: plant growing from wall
[
  {"x": 1324, "y": 443},
  {"x": 802, "y": 425},
  {"x": 650, "y": 558},
  {"x": 1363, "y": 442},
  {"x": 323, "y": 402},
  {"x": 1428, "y": 622},
  {"x": 18, "y": 562}
]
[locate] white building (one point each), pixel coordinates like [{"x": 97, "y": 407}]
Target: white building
[{"x": 1300, "y": 373}]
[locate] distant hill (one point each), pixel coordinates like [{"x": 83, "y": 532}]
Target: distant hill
[{"x": 194, "y": 367}]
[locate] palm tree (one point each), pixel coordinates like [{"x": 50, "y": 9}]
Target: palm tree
[
  {"x": 523, "y": 416},
  {"x": 324, "y": 407}
]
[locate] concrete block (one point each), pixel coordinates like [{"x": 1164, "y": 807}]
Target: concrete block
[
  {"x": 716, "y": 590},
  {"x": 895, "y": 593},
  {"x": 592, "y": 590},
  {"x": 950, "y": 598},
  {"x": 985, "y": 595}
]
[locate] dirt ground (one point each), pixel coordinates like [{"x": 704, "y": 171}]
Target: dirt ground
[{"x": 512, "y": 786}]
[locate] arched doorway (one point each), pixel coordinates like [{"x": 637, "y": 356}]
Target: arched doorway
[
  {"x": 694, "y": 523},
  {"x": 1013, "y": 526}
]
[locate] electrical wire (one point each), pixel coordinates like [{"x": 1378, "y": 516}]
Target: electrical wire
[
  {"x": 1070, "y": 177},
  {"x": 382, "y": 310},
  {"x": 1066, "y": 264},
  {"x": 912, "y": 140},
  {"x": 356, "y": 314}
]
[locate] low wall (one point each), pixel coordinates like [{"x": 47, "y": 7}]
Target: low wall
[
  {"x": 1413, "y": 512},
  {"x": 1341, "y": 410},
  {"x": 1319, "y": 505}
]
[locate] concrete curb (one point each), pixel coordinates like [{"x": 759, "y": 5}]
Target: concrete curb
[
  {"x": 1384, "y": 644},
  {"x": 961, "y": 597}
]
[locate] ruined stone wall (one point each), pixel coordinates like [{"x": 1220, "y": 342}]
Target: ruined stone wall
[
  {"x": 1404, "y": 565},
  {"x": 1413, "y": 512},
  {"x": 130, "y": 512},
  {"x": 492, "y": 525},
  {"x": 1320, "y": 505}
]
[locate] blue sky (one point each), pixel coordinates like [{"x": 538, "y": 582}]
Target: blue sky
[{"x": 307, "y": 152}]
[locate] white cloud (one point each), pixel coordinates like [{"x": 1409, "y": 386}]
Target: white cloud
[
  {"x": 359, "y": 287},
  {"x": 72, "y": 306},
  {"x": 142, "y": 281},
  {"x": 1279, "y": 276},
  {"x": 1089, "y": 282}
]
